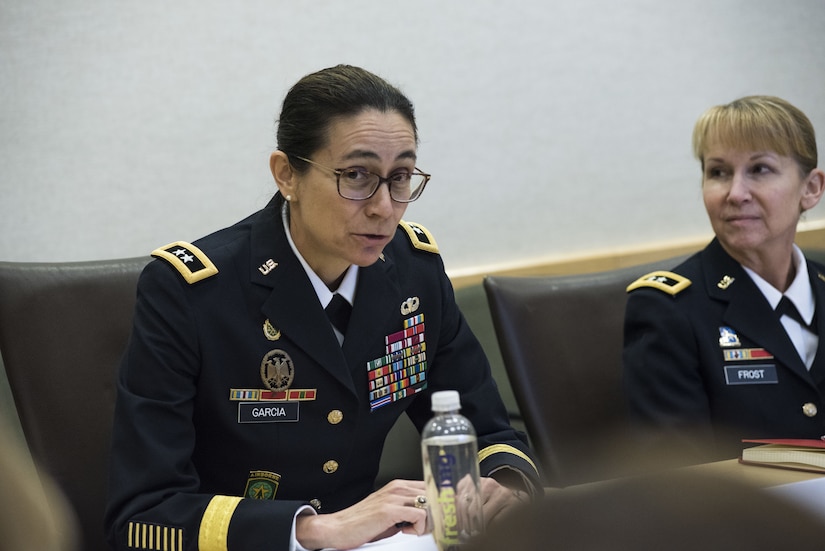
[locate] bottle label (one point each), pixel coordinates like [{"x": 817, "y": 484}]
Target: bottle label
[
  {"x": 446, "y": 498},
  {"x": 451, "y": 475}
]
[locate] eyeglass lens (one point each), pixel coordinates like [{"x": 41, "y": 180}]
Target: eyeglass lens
[{"x": 360, "y": 184}]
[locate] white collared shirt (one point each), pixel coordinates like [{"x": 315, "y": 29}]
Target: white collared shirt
[
  {"x": 802, "y": 296},
  {"x": 346, "y": 289}
]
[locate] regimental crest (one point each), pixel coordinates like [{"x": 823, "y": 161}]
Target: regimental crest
[
  {"x": 277, "y": 370},
  {"x": 271, "y": 332},
  {"x": 667, "y": 282},
  {"x": 728, "y": 337},
  {"x": 262, "y": 485}
]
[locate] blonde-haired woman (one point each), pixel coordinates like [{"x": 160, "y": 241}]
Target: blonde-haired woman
[{"x": 713, "y": 353}]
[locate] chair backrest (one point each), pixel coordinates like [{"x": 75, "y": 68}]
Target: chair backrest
[
  {"x": 561, "y": 340},
  {"x": 63, "y": 329}
]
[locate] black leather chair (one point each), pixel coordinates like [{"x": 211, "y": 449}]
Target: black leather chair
[
  {"x": 63, "y": 328},
  {"x": 561, "y": 340}
]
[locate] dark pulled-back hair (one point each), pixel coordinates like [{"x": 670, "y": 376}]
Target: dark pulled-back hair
[{"x": 319, "y": 98}]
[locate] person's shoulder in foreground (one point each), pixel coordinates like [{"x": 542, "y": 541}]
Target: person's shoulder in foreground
[{"x": 677, "y": 511}]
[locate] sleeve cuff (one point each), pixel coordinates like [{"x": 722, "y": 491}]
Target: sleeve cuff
[{"x": 293, "y": 541}]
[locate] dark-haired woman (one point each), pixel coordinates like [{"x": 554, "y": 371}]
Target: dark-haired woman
[{"x": 250, "y": 418}]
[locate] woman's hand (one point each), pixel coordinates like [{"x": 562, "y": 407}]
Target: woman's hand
[
  {"x": 498, "y": 499},
  {"x": 381, "y": 514}
]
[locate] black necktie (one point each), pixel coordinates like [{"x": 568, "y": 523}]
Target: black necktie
[
  {"x": 787, "y": 308},
  {"x": 338, "y": 311}
]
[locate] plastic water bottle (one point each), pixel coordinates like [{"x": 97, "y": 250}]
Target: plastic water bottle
[{"x": 450, "y": 456}]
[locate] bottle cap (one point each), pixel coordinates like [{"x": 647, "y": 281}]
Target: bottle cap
[{"x": 446, "y": 400}]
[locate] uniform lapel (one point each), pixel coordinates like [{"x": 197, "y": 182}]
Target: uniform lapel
[
  {"x": 292, "y": 305},
  {"x": 372, "y": 312},
  {"x": 748, "y": 312},
  {"x": 817, "y": 277}
]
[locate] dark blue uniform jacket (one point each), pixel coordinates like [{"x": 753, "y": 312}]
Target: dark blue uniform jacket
[
  {"x": 205, "y": 453},
  {"x": 713, "y": 360}
]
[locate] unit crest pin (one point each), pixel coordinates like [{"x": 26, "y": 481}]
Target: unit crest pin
[
  {"x": 271, "y": 332},
  {"x": 728, "y": 337}
]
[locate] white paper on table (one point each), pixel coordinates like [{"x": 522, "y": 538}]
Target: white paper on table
[
  {"x": 402, "y": 542},
  {"x": 809, "y": 494}
]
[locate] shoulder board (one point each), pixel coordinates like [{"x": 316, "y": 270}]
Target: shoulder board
[
  {"x": 668, "y": 282},
  {"x": 189, "y": 260},
  {"x": 419, "y": 236}
]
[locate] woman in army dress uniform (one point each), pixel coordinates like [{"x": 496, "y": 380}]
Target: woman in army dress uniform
[
  {"x": 711, "y": 354},
  {"x": 246, "y": 417}
]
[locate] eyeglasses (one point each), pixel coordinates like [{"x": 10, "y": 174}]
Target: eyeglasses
[{"x": 359, "y": 184}]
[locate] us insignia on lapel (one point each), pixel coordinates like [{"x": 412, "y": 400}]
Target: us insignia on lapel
[{"x": 267, "y": 266}]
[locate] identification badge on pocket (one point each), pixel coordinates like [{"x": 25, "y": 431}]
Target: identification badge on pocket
[{"x": 764, "y": 374}]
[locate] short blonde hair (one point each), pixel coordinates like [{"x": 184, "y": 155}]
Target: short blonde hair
[{"x": 758, "y": 123}]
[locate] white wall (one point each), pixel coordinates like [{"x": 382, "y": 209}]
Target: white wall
[{"x": 551, "y": 128}]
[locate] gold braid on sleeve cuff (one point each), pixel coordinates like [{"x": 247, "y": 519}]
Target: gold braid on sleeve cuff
[
  {"x": 214, "y": 530},
  {"x": 504, "y": 448}
]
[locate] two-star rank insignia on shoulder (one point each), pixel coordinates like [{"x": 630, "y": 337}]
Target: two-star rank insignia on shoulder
[
  {"x": 189, "y": 260},
  {"x": 419, "y": 236},
  {"x": 668, "y": 282}
]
